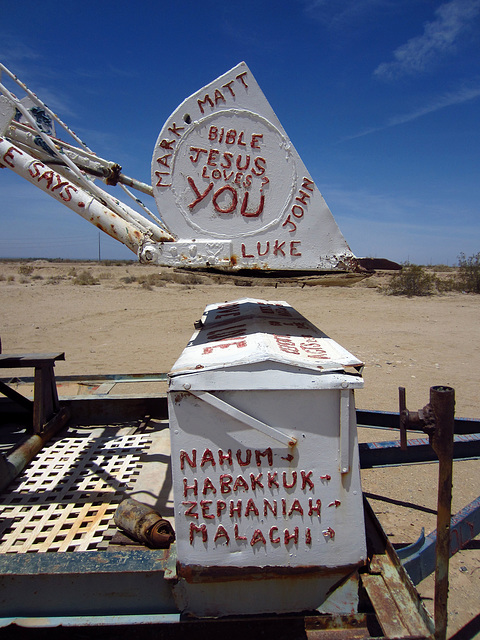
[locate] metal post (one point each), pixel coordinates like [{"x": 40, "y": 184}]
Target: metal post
[{"x": 442, "y": 402}]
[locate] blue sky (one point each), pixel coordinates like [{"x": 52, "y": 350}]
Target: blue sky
[{"x": 381, "y": 98}]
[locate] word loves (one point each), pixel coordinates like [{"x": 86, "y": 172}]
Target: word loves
[{"x": 242, "y": 489}]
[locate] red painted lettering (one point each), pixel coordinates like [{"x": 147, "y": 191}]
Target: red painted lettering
[
  {"x": 267, "y": 506},
  {"x": 227, "y": 86},
  {"x": 200, "y": 196},
  {"x": 159, "y": 175},
  {"x": 260, "y": 164},
  {"x": 208, "y": 486},
  {"x": 205, "y": 506},
  {"x": 291, "y": 537},
  {"x": 251, "y": 506},
  {"x": 255, "y": 140},
  {"x": 221, "y": 533},
  {"x": 202, "y": 103},
  {"x": 296, "y": 506},
  {"x": 264, "y": 454},
  {"x": 233, "y": 203},
  {"x": 288, "y": 221},
  {"x": 225, "y": 456},
  {"x": 225, "y": 482},
  {"x": 286, "y": 485},
  {"x": 191, "y": 461},
  {"x": 175, "y": 130},
  {"x": 293, "y": 248},
  {"x": 306, "y": 480},
  {"x": 244, "y": 252},
  {"x": 192, "y": 487},
  {"x": 9, "y": 158},
  {"x": 198, "y": 529},
  {"x": 241, "y": 79},
  {"x": 189, "y": 511},
  {"x": 211, "y": 157},
  {"x": 241, "y": 483},
  {"x": 197, "y": 151},
  {"x": 255, "y": 480},
  {"x": 218, "y": 97},
  {"x": 271, "y": 535},
  {"x": 272, "y": 480},
  {"x": 207, "y": 458},
  {"x": 252, "y": 214},
  {"x": 257, "y": 537},
  {"x": 259, "y": 244},
  {"x": 163, "y": 160},
  {"x": 246, "y": 462},
  {"x": 235, "y": 509},
  {"x": 314, "y": 509}
]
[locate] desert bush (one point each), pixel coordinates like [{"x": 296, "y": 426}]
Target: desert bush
[
  {"x": 11, "y": 279},
  {"x": 469, "y": 273},
  {"x": 37, "y": 276},
  {"x": 412, "y": 280},
  {"x": 128, "y": 279},
  {"x": 25, "y": 269},
  {"x": 186, "y": 278},
  {"x": 2, "y": 277},
  {"x": 85, "y": 278},
  {"x": 72, "y": 273}
]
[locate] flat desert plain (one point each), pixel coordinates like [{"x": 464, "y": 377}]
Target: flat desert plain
[{"x": 138, "y": 319}]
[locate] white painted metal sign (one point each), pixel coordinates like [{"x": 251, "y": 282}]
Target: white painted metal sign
[
  {"x": 264, "y": 449},
  {"x": 225, "y": 171}
]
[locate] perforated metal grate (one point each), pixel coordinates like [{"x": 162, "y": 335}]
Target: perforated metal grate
[{"x": 66, "y": 498}]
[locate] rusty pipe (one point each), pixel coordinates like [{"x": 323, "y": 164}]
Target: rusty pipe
[
  {"x": 15, "y": 462},
  {"x": 144, "y": 524},
  {"x": 442, "y": 404}
]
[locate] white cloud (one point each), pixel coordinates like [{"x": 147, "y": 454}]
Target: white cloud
[
  {"x": 438, "y": 39},
  {"x": 464, "y": 94}
]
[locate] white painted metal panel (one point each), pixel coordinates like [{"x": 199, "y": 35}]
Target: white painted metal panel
[
  {"x": 266, "y": 473},
  {"x": 249, "y": 331},
  {"x": 224, "y": 168}
]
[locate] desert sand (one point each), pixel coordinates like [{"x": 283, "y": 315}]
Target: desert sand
[{"x": 121, "y": 325}]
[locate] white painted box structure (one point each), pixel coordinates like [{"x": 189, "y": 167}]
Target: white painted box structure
[{"x": 265, "y": 461}]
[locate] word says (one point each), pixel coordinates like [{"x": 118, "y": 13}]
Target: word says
[
  {"x": 218, "y": 96},
  {"x": 297, "y": 211},
  {"x": 53, "y": 181}
]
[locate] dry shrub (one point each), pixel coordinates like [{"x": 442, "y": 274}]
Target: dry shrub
[
  {"x": 412, "y": 280},
  {"x": 86, "y": 278},
  {"x": 25, "y": 269},
  {"x": 469, "y": 273}
]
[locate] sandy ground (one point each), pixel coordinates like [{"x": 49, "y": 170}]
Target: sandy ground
[{"x": 122, "y": 326}]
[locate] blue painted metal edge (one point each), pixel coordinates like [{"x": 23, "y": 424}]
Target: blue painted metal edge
[
  {"x": 384, "y": 454},
  {"x": 419, "y": 558}
]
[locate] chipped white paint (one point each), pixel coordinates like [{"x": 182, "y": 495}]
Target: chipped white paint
[
  {"x": 223, "y": 167},
  {"x": 264, "y": 447}
]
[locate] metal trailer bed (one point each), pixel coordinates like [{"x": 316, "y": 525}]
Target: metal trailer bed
[{"x": 97, "y": 578}]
